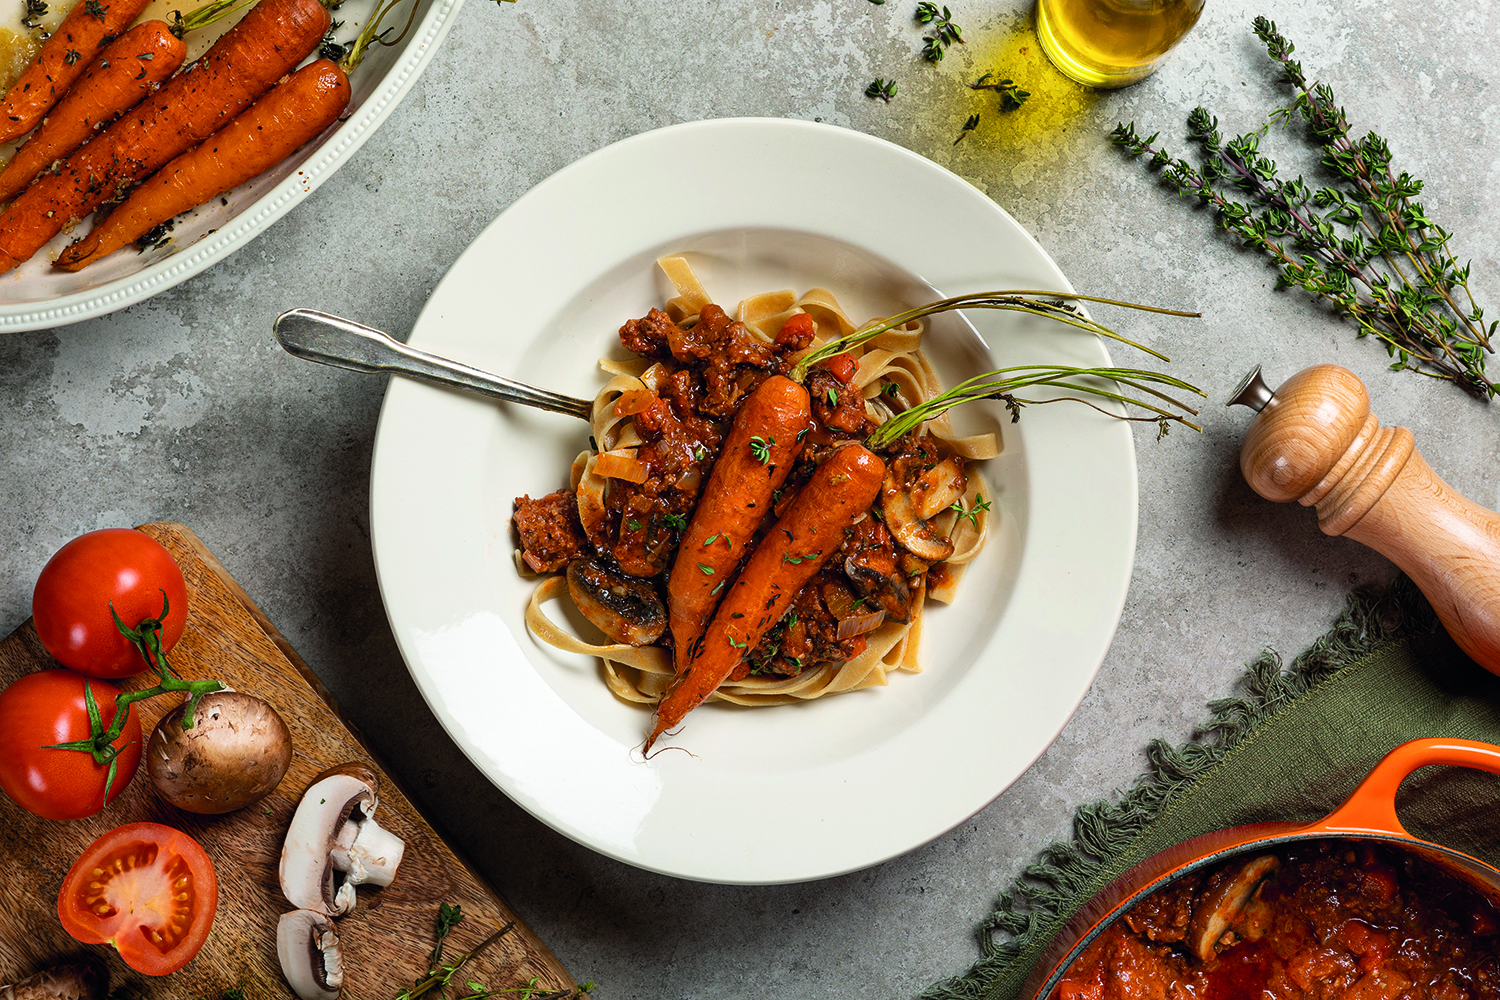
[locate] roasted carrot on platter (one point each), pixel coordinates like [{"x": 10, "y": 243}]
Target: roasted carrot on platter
[
  {"x": 792, "y": 552},
  {"x": 123, "y": 75},
  {"x": 251, "y": 56},
  {"x": 756, "y": 457},
  {"x": 63, "y": 58},
  {"x": 290, "y": 114}
]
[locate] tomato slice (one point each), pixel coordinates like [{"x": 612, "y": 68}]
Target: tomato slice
[{"x": 145, "y": 888}]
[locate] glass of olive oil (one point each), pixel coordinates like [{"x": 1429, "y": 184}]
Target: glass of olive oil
[{"x": 1112, "y": 43}]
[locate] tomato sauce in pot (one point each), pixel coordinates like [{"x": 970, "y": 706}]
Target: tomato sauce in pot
[{"x": 1315, "y": 920}]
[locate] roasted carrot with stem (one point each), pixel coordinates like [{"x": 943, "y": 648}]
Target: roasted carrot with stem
[
  {"x": 251, "y": 56},
  {"x": 290, "y": 114},
  {"x": 800, "y": 543},
  {"x": 126, "y": 72},
  {"x": 757, "y": 456},
  {"x": 63, "y": 58}
]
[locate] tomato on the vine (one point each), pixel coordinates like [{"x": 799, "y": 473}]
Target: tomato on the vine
[
  {"x": 145, "y": 888},
  {"x": 122, "y": 567},
  {"x": 49, "y": 707}
]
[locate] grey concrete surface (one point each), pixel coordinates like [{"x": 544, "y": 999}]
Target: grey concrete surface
[{"x": 183, "y": 408}]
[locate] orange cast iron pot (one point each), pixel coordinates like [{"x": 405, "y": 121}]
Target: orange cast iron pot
[{"x": 1368, "y": 814}]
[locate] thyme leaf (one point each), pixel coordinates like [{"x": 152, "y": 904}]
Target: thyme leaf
[
  {"x": 972, "y": 514},
  {"x": 1011, "y": 95},
  {"x": 35, "y": 11},
  {"x": 944, "y": 31},
  {"x": 760, "y": 448}
]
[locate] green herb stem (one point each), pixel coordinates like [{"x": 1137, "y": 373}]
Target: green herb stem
[
  {"x": 1048, "y": 304},
  {"x": 202, "y": 17},
  {"x": 439, "y": 978},
  {"x": 1361, "y": 243},
  {"x": 1003, "y": 383}
]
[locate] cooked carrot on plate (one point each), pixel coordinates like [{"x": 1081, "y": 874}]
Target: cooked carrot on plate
[
  {"x": 273, "y": 38},
  {"x": 290, "y": 114},
  {"x": 806, "y": 537},
  {"x": 63, "y": 58},
  {"x": 757, "y": 456},
  {"x": 123, "y": 75}
]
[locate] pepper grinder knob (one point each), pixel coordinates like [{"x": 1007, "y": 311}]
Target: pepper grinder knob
[{"x": 1315, "y": 441}]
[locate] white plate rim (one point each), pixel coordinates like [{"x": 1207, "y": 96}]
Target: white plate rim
[
  {"x": 1081, "y": 649},
  {"x": 320, "y": 164}
]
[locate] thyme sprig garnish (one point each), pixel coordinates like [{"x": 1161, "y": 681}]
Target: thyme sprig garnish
[
  {"x": 1004, "y": 383},
  {"x": 1361, "y": 244},
  {"x": 944, "y": 31},
  {"x": 1048, "y": 304},
  {"x": 883, "y": 89},
  {"x": 374, "y": 34},
  {"x": 35, "y": 11},
  {"x": 972, "y": 514},
  {"x": 1011, "y": 95},
  {"x": 439, "y": 975}
]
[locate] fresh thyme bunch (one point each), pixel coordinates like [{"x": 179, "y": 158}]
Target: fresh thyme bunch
[{"x": 1361, "y": 243}]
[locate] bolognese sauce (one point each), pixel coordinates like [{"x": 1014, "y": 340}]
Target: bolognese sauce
[
  {"x": 1318, "y": 920},
  {"x": 701, "y": 444}
]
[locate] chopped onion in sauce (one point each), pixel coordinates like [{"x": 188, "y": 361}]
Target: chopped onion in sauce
[
  {"x": 620, "y": 465},
  {"x": 633, "y": 401},
  {"x": 860, "y": 624}
]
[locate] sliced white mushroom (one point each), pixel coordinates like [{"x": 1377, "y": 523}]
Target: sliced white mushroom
[
  {"x": 333, "y": 831},
  {"x": 372, "y": 857},
  {"x": 939, "y": 487},
  {"x": 308, "y": 948},
  {"x": 1222, "y": 904},
  {"x": 911, "y": 530}
]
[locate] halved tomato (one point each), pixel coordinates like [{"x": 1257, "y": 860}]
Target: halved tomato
[{"x": 145, "y": 888}]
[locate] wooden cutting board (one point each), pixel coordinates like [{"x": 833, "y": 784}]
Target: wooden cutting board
[{"x": 386, "y": 940}]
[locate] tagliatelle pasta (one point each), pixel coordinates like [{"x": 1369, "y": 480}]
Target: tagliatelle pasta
[{"x": 612, "y": 482}]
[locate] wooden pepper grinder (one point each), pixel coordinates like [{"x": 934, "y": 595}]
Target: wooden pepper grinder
[{"x": 1315, "y": 441}]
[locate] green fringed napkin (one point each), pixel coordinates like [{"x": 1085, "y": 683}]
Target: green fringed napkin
[{"x": 1291, "y": 748}]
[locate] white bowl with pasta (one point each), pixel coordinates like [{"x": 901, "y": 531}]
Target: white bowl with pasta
[{"x": 770, "y": 794}]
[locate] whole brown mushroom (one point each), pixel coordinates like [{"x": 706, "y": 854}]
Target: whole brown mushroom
[{"x": 235, "y": 754}]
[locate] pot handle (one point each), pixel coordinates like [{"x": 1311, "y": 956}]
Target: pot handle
[{"x": 1371, "y": 808}]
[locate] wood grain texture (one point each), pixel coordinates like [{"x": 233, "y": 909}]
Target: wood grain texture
[
  {"x": 1318, "y": 443},
  {"x": 385, "y": 941}
]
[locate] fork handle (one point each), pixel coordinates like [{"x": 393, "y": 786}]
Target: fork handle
[{"x": 343, "y": 343}]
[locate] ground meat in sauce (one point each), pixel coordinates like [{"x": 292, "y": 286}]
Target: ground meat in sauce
[
  {"x": 549, "y": 530},
  {"x": 870, "y": 562},
  {"x": 1336, "y": 920},
  {"x": 805, "y": 638},
  {"x": 705, "y": 370},
  {"x": 838, "y": 405},
  {"x": 730, "y": 359},
  {"x": 678, "y": 440}
]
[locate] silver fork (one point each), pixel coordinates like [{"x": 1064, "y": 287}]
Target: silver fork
[{"x": 343, "y": 343}]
